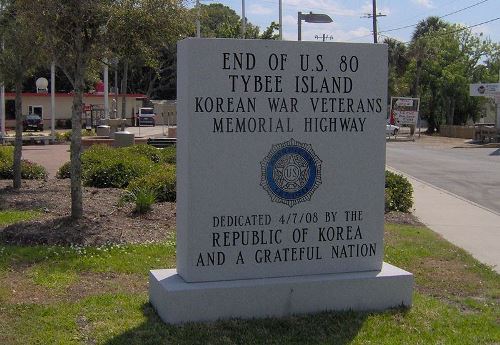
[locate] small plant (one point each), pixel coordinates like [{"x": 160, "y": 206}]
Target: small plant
[
  {"x": 143, "y": 198},
  {"x": 32, "y": 171},
  {"x": 66, "y": 135},
  {"x": 398, "y": 193},
  {"x": 64, "y": 171}
]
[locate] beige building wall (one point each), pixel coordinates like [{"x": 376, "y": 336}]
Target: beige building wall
[
  {"x": 166, "y": 112},
  {"x": 64, "y": 104}
]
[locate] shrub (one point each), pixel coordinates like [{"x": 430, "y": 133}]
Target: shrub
[
  {"x": 32, "y": 171},
  {"x": 143, "y": 198},
  {"x": 151, "y": 152},
  {"x": 29, "y": 170},
  {"x": 398, "y": 193},
  {"x": 161, "y": 179},
  {"x": 116, "y": 172},
  {"x": 64, "y": 171},
  {"x": 104, "y": 166},
  {"x": 6, "y": 153},
  {"x": 167, "y": 155}
]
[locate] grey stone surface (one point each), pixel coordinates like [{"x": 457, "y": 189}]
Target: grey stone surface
[
  {"x": 177, "y": 301},
  {"x": 221, "y": 161}
]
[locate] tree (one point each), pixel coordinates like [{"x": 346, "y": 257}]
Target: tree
[
  {"x": 147, "y": 26},
  {"x": 76, "y": 35},
  {"x": 221, "y": 21},
  {"x": 445, "y": 59},
  {"x": 18, "y": 59},
  {"x": 419, "y": 46},
  {"x": 398, "y": 61}
]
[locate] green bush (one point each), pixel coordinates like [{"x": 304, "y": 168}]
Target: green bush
[
  {"x": 161, "y": 179},
  {"x": 104, "y": 166},
  {"x": 398, "y": 193},
  {"x": 32, "y": 171},
  {"x": 6, "y": 153},
  {"x": 64, "y": 171},
  {"x": 116, "y": 172},
  {"x": 167, "y": 155},
  {"x": 151, "y": 152},
  {"x": 29, "y": 170}
]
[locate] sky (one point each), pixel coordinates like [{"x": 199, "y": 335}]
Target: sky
[{"x": 348, "y": 26}]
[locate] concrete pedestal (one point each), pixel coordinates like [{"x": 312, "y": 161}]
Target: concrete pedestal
[{"x": 177, "y": 301}]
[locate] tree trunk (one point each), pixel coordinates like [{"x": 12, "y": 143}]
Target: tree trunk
[
  {"x": 124, "y": 92},
  {"x": 76, "y": 142},
  {"x": 452, "y": 111},
  {"x": 432, "y": 127},
  {"x": 18, "y": 145},
  {"x": 416, "y": 81},
  {"x": 449, "y": 113}
]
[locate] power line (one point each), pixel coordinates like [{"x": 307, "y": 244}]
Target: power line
[
  {"x": 412, "y": 25},
  {"x": 462, "y": 28},
  {"x": 445, "y": 15}
]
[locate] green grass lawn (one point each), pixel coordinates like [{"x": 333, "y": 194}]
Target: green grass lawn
[
  {"x": 75, "y": 295},
  {"x": 8, "y": 217}
]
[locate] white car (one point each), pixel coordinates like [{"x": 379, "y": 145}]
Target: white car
[
  {"x": 146, "y": 116},
  {"x": 391, "y": 130}
]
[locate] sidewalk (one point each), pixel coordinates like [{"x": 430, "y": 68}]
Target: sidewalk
[{"x": 462, "y": 222}]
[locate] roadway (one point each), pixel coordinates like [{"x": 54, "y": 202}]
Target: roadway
[{"x": 471, "y": 173}]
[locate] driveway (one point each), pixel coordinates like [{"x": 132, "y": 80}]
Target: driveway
[{"x": 50, "y": 156}]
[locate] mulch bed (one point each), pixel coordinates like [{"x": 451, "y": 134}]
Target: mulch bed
[
  {"x": 106, "y": 220},
  {"x": 402, "y": 218}
]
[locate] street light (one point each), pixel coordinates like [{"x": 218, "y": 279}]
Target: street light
[{"x": 311, "y": 18}]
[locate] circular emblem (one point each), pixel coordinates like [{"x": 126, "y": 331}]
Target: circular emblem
[{"x": 291, "y": 172}]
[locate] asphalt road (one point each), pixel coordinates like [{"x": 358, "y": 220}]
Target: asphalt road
[{"x": 471, "y": 173}]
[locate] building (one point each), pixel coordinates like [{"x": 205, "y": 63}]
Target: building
[{"x": 40, "y": 103}]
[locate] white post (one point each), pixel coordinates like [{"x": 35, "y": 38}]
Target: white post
[
  {"x": 281, "y": 19},
  {"x": 53, "y": 100},
  {"x": 106, "y": 89}
]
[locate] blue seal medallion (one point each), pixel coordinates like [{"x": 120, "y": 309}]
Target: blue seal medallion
[{"x": 291, "y": 172}]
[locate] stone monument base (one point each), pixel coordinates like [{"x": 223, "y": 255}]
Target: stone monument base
[{"x": 177, "y": 301}]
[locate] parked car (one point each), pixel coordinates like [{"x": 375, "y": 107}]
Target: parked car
[
  {"x": 391, "y": 130},
  {"x": 33, "y": 122},
  {"x": 146, "y": 117}
]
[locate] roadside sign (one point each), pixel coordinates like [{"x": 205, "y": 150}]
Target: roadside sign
[
  {"x": 484, "y": 90},
  {"x": 405, "y": 110}
]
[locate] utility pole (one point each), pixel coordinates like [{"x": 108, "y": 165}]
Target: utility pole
[
  {"x": 374, "y": 16},
  {"x": 243, "y": 19},
  {"x": 198, "y": 25}
]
